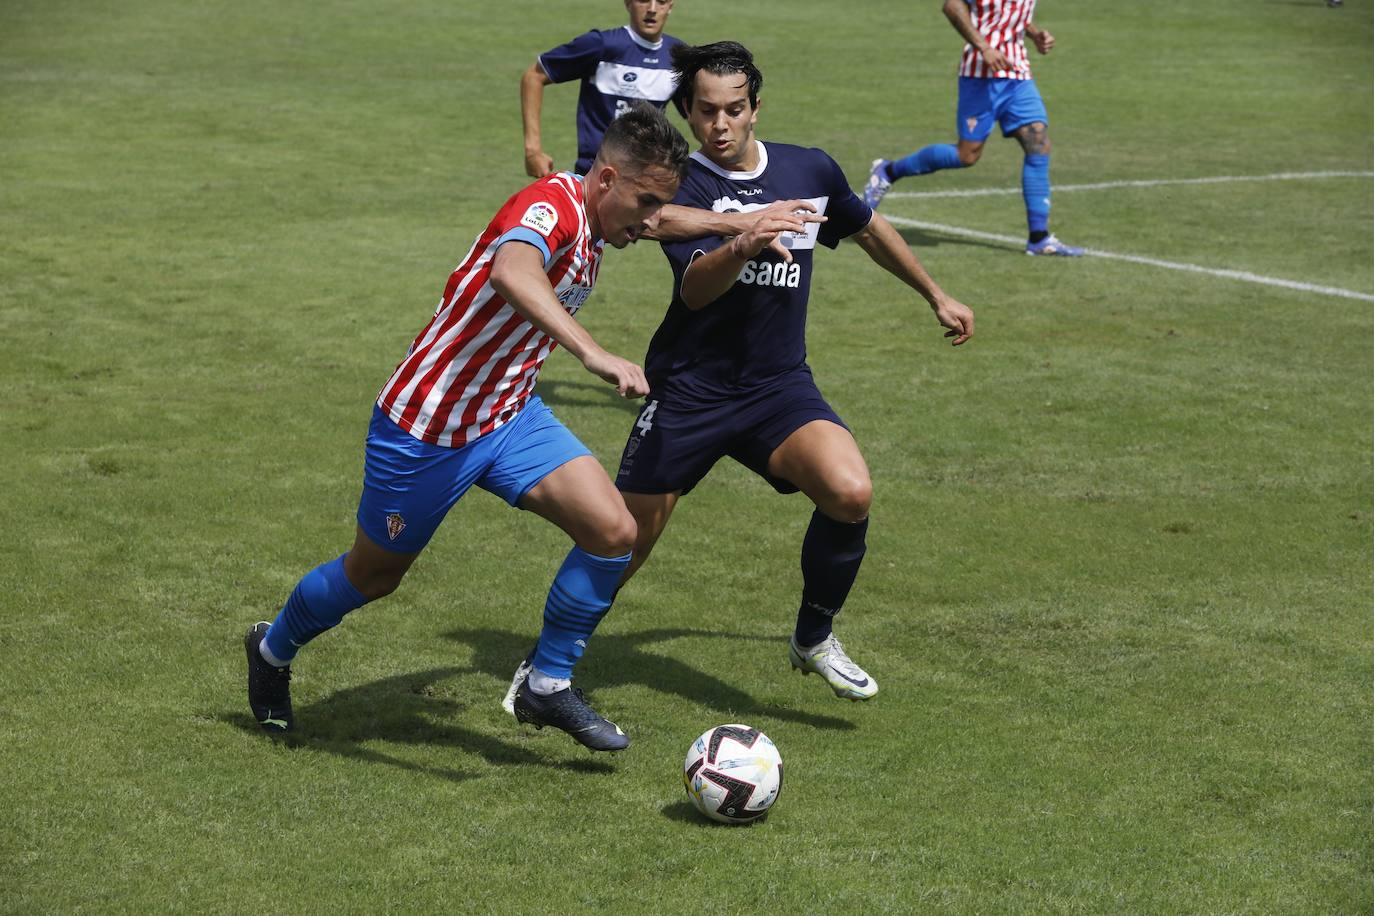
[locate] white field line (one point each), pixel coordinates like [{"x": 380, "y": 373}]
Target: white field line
[
  {"x": 1147, "y": 183},
  {"x": 1245, "y": 275}
]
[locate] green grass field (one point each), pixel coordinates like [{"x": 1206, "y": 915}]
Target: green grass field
[{"x": 1119, "y": 589}]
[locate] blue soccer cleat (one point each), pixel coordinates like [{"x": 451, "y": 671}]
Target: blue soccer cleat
[
  {"x": 1051, "y": 246},
  {"x": 878, "y": 184}
]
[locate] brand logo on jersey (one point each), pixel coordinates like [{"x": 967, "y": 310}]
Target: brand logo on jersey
[
  {"x": 750, "y": 192},
  {"x": 630, "y": 76},
  {"x": 651, "y": 60},
  {"x": 574, "y": 297},
  {"x": 540, "y": 217},
  {"x": 771, "y": 273},
  {"x": 395, "y": 525}
]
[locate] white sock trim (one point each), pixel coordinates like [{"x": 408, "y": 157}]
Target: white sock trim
[
  {"x": 268, "y": 657},
  {"x": 543, "y": 684}
]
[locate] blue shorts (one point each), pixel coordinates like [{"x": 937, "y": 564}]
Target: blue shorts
[
  {"x": 1011, "y": 103},
  {"x": 676, "y": 441},
  {"x": 409, "y": 485}
]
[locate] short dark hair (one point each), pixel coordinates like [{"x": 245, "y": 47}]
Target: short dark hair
[
  {"x": 721, "y": 58},
  {"x": 641, "y": 138}
]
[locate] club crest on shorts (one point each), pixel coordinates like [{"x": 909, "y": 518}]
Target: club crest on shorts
[
  {"x": 395, "y": 525},
  {"x": 972, "y": 123}
]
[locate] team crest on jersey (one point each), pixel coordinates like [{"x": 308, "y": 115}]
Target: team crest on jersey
[
  {"x": 395, "y": 525},
  {"x": 540, "y": 217}
]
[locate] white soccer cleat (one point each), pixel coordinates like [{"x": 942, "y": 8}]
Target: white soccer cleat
[
  {"x": 521, "y": 674},
  {"x": 830, "y": 661}
]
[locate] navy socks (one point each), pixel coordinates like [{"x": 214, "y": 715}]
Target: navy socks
[{"x": 830, "y": 558}]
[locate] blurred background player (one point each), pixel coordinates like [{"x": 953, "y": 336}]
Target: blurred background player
[
  {"x": 728, "y": 364},
  {"x": 995, "y": 84},
  {"x": 459, "y": 410},
  {"x": 616, "y": 67}
]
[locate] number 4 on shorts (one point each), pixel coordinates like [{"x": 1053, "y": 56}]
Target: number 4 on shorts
[{"x": 646, "y": 418}]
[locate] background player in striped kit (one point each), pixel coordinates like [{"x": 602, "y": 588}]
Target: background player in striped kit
[
  {"x": 995, "y": 84},
  {"x": 459, "y": 410},
  {"x": 616, "y": 67}
]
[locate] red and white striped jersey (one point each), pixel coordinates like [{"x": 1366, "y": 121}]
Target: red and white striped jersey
[
  {"x": 1003, "y": 24},
  {"x": 474, "y": 365}
]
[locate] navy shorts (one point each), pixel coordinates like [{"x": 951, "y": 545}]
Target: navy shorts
[{"x": 676, "y": 441}]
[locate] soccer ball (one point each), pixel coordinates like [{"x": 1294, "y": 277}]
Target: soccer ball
[{"x": 733, "y": 774}]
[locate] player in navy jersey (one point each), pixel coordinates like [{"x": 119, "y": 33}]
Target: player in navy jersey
[
  {"x": 616, "y": 66},
  {"x": 727, "y": 367},
  {"x": 995, "y": 85}
]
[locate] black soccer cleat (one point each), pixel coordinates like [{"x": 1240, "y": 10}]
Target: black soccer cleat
[
  {"x": 567, "y": 710},
  {"x": 269, "y": 687}
]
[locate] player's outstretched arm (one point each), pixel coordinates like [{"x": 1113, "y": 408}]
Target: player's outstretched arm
[
  {"x": 890, "y": 251},
  {"x": 537, "y": 162},
  {"x": 709, "y": 276},
  {"x": 517, "y": 275},
  {"x": 956, "y": 11},
  {"x": 677, "y": 223}
]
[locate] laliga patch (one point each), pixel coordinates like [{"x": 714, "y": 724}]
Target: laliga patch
[
  {"x": 540, "y": 217},
  {"x": 395, "y": 525}
]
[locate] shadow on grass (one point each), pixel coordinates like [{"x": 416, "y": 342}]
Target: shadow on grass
[
  {"x": 686, "y": 813},
  {"x": 621, "y": 659},
  {"x": 407, "y": 709}
]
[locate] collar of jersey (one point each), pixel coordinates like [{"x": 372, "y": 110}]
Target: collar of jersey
[
  {"x": 639, "y": 40},
  {"x": 700, "y": 157}
]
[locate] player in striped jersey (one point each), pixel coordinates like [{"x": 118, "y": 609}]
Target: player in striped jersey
[
  {"x": 616, "y": 67},
  {"x": 995, "y": 84},
  {"x": 459, "y": 410}
]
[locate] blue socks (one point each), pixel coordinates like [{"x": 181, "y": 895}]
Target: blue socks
[
  {"x": 1035, "y": 188},
  {"x": 319, "y": 601},
  {"x": 831, "y": 554},
  {"x": 1035, "y": 179},
  {"x": 928, "y": 159},
  {"x": 580, "y": 596}
]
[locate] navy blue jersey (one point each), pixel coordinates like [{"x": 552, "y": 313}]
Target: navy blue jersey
[
  {"x": 616, "y": 67},
  {"x": 756, "y": 331}
]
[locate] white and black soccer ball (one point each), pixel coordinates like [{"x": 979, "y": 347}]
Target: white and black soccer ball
[{"x": 733, "y": 774}]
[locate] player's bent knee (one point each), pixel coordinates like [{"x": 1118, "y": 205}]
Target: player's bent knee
[
  {"x": 378, "y": 584},
  {"x": 970, "y": 155},
  {"x": 374, "y": 579},
  {"x": 613, "y": 536},
  {"x": 850, "y": 501}
]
